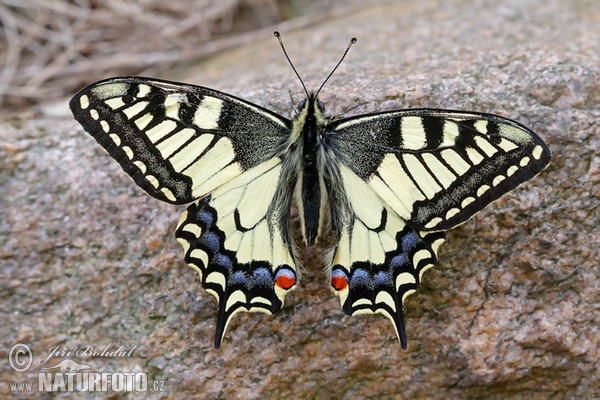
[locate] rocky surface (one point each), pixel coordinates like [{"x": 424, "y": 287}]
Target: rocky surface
[{"x": 511, "y": 311}]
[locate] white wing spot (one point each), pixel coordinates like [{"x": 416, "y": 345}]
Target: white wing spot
[
  {"x": 420, "y": 255},
  {"x": 482, "y": 189},
  {"x": 452, "y": 212},
  {"x": 110, "y": 90},
  {"x": 422, "y": 271},
  {"x": 84, "y": 102},
  {"x": 234, "y": 298},
  {"x": 481, "y": 125},
  {"x": 484, "y": 145},
  {"x": 128, "y": 152},
  {"x": 450, "y": 133},
  {"x": 143, "y": 121},
  {"x": 507, "y": 145},
  {"x": 511, "y": 170},
  {"x": 216, "y": 277},
  {"x": 405, "y": 278},
  {"x": 259, "y": 301},
  {"x": 386, "y": 298},
  {"x": 135, "y": 109},
  {"x": 435, "y": 246},
  {"x": 431, "y": 224},
  {"x": 425, "y": 182},
  {"x": 153, "y": 181},
  {"x": 200, "y": 255},
  {"x": 172, "y": 104},
  {"x": 172, "y": 143},
  {"x": 413, "y": 134},
  {"x": 115, "y": 103},
  {"x": 537, "y": 152},
  {"x": 408, "y": 293},
  {"x": 361, "y": 302},
  {"x": 445, "y": 176},
  {"x": 158, "y": 131},
  {"x": 168, "y": 194},
  {"x": 498, "y": 179},
  {"x": 208, "y": 113},
  {"x": 94, "y": 114},
  {"x": 140, "y": 165},
  {"x": 194, "y": 229},
  {"x": 467, "y": 201},
  {"x": 524, "y": 161},
  {"x": 454, "y": 160},
  {"x": 105, "y": 126},
  {"x": 474, "y": 155},
  {"x": 143, "y": 90},
  {"x": 115, "y": 138}
]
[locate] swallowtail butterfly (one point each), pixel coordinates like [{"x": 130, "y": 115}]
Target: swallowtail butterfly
[{"x": 387, "y": 185}]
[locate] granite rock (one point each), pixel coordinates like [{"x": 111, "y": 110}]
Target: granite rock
[{"x": 510, "y": 311}]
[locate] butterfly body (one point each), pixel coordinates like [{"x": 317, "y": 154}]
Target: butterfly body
[{"x": 387, "y": 185}]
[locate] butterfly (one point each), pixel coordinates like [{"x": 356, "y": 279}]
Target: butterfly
[{"x": 386, "y": 185}]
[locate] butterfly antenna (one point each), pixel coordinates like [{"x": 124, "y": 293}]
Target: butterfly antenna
[
  {"x": 278, "y": 36},
  {"x": 352, "y": 41}
]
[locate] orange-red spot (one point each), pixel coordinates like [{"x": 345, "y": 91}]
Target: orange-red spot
[
  {"x": 285, "y": 281},
  {"x": 339, "y": 282}
]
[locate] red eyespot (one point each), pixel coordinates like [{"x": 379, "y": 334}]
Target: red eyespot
[
  {"x": 339, "y": 281},
  {"x": 285, "y": 279}
]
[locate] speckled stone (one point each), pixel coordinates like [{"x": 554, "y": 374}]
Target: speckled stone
[{"x": 511, "y": 310}]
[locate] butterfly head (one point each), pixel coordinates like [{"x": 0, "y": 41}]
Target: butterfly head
[
  {"x": 311, "y": 104},
  {"x": 311, "y": 99},
  {"x": 311, "y": 114}
]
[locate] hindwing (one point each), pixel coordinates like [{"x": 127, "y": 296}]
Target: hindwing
[
  {"x": 379, "y": 259},
  {"x": 238, "y": 240},
  {"x": 178, "y": 142}
]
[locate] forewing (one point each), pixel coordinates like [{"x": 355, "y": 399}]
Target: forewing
[
  {"x": 437, "y": 168},
  {"x": 238, "y": 240},
  {"x": 379, "y": 259},
  {"x": 178, "y": 142}
]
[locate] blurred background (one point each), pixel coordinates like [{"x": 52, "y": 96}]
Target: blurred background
[{"x": 49, "y": 49}]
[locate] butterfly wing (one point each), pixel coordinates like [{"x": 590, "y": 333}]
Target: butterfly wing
[
  {"x": 421, "y": 172},
  {"x": 380, "y": 258},
  {"x": 237, "y": 239},
  {"x": 437, "y": 168},
  {"x": 178, "y": 142}
]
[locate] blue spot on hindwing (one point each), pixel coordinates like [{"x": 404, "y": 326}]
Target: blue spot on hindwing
[
  {"x": 360, "y": 277},
  {"x": 262, "y": 277},
  {"x": 238, "y": 278},
  {"x": 383, "y": 278},
  {"x": 222, "y": 260},
  {"x": 398, "y": 261},
  {"x": 211, "y": 241},
  {"x": 205, "y": 218},
  {"x": 410, "y": 241}
]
